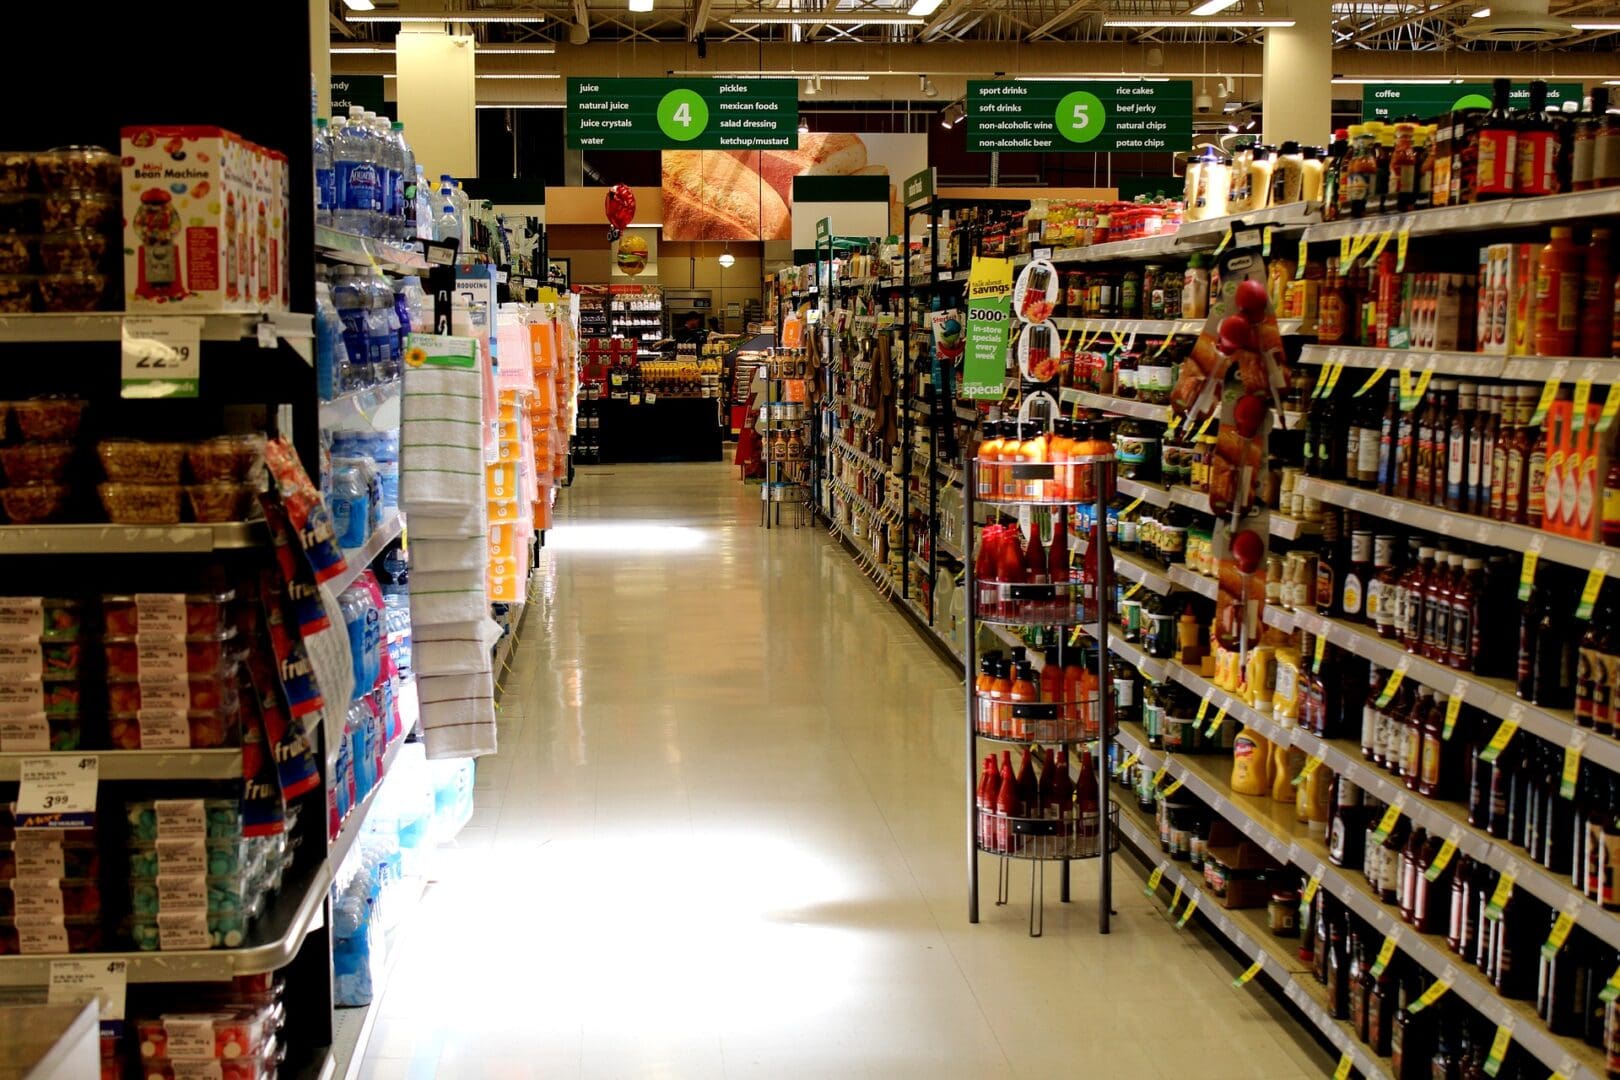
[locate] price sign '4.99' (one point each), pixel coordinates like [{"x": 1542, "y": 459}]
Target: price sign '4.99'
[{"x": 58, "y": 792}]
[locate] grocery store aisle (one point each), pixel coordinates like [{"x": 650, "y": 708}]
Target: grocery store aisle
[{"x": 724, "y": 838}]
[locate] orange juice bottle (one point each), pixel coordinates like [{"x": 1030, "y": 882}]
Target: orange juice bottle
[
  {"x": 1032, "y": 452},
  {"x": 1012, "y": 444},
  {"x": 988, "y": 469}
]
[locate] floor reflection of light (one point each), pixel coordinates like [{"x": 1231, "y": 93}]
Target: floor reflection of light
[{"x": 624, "y": 536}]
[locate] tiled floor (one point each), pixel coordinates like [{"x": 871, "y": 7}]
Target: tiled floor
[{"x": 724, "y": 838}]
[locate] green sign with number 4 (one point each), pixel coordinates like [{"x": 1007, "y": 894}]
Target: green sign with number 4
[{"x": 683, "y": 114}]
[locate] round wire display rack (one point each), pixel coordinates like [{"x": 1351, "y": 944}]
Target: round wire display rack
[
  {"x": 1038, "y": 722},
  {"x": 1020, "y": 604},
  {"x": 1045, "y": 838},
  {"x": 1041, "y": 483}
]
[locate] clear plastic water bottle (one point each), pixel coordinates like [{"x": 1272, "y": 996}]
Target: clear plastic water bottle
[
  {"x": 448, "y": 226},
  {"x": 331, "y": 355},
  {"x": 406, "y": 195},
  {"x": 345, "y": 159},
  {"x": 417, "y": 302},
  {"x": 388, "y": 179},
  {"x": 325, "y": 179},
  {"x": 350, "y": 303},
  {"x": 351, "y": 504},
  {"x": 402, "y": 312},
  {"x": 381, "y": 340},
  {"x": 424, "y": 206}
]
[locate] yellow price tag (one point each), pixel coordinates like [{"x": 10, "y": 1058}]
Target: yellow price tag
[
  {"x": 1131, "y": 759},
  {"x": 1169, "y": 339},
  {"x": 1454, "y": 706},
  {"x": 1174, "y": 787},
  {"x": 1154, "y": 879},
  {"x": 1215, "y": 724},
  {"x": 1434, "y": 993},
  {"x": 1265, "y": 240},
  {"x": 1499, "y": 741},
  {"x": 1119, "y": 339},
  {"x": 1549, "y": 391},
  {"x": 1442, "y": 858},
  {"x": 1174, "y": 900},
  {"x": 1527, "y": 568},
  {"x": 1226, "y": 238},
  {"x": 1344, "y": 252},
  {"x": 1192, "y": 906},
  {"x": 1583, "y": 398},
  {"x": 1333, "y": 379},
  {"x": 1401, "y": 240},
  {"x": 1175, "y": 422},
  {"x": 1208, "y": 420},
  {"x": 1422, "y": 388},
  {"x": 1499, "y": 897},
  {"x": 1305, "y": 770},
  {"x": 1406, "y": 400},
  {"x": 1299, "y": 264},
  {"x": 1203, "y": 708},
  {"x": 1372, "y": 380},
  {"x": 1133, "y": 590},
  {"x": 1378, "y": 249},
  {"x": 1559, "y": 933},
  {"x": 1362, "y": 244},
  {"x": 1074, "y": 636},
  {"x": 1611, "y": 406},
  {"x": 1385, "y": 954},
  {"x": 1249, "y": 973},
  {"x": 1158, "y": 777},
  {"x": 1343, "y": 1071},
  {"x": 1611, "y": 989},
  {"x": 1386, "y": 824},
  {"x": 1594, "y": 582},
  {"x": 1499, "y": 1047},
  {"x": 1309, "y": 892},
  {"x": 1388, "y": 693},
  {"x": 1572, "y": 764},
  {"x": 1132, "y": 505},
  {"x": 1321, "y": 650}
]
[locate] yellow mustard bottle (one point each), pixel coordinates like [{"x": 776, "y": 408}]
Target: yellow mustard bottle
[
  {"x": 1286, "y": 761},
  {"x": 1285, "y": 691},
  {"x": 1251, "y": 763}
]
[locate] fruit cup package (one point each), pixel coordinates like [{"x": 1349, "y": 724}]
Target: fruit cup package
[
  {"x": 204, "y": 613},
  {"x": 137, "y": 461},
  {"x": 35, "y": 505},
  {"x": 84, "y": 168},
  {"x": 141, "y": 504},
  {"x": 54, "y": 897},
  {"x": 36, "y": 463},
  {"x": 227, "y": 1035},
  {"x": 72, "y": 251},
  {"x": 261, "y": 1067},
  {"x": 187, "y": 930},
  {"x": 76, "y": 290},
  {"x": 149, "y": 858},
  {"x": 211, "y": 692},
  {"x": 48, "y": 419},
  {"x": 48, "y": 858},
  {"x": 221, "y": 818},
  {"x": 31, "y": 936},
  {"x": 199, "y": 654},
  {"x": 226, "y": 458},
  {"x": 173, "y": 729},
  {"x": 223, "y": 501},
  {"x": 22, "y": 733},
  {"x": 231, "y": 894}
]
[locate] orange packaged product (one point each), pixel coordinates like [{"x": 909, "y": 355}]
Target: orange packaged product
[
  {"x": 1012, "y": 445},
  {"x": 988, "y": 478},
  {"x": 500, "y": 481},
  {"x": 1033, "y": 452}
]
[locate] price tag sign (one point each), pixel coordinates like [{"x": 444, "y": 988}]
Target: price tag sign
[
  {"x": 1226, "y": 238},
  {"x": 161, "y": 356},
  {"x": 1215, "y": 724},
  {"x": 1611, "y": 406},
  {"x": 1265, "y": 240},
  {"x": 1174, "y": 787},
  {"x": 1299, "y": 263},
  {"x": 1388, "y": 693},
  {"x": 1321, "y": 650},
  {"x": 1378, "y": 249},
  {"x": 1158, "y": 876},
  {"x": 1343, "y": 1070},
  {"x": 1611, "y": 989},
  {"x": 58, "y": 792},
  {"x": 1158, "y": 776},
  {"x": 1572, "y": 763},
  {"x": 1332, "y": 379},
  {"x": 1442, "y": 858},
  {"x": 1372, "y": 380},
  {"x": 1562, "y": 925},
  {"x": 1583, "y": 397},
  {"x": 1125, "y": 766},
  {"x": 1499, "y": 741},
  {"x": 1594, "y": 582},
  {"x": 1192, "y": 906},
  {"x": 1527, "y": 568},
  {"x": 1402, "y": 239},
  {"x": 1549, "y": 391},
  {"x": 1305, "y": 771},
  {"x": 1386, "y": 953},
  {"x": 73, "y": 982},
  {"x": 1567, "y": 1066},
  {"x": 1386, "y": 824},
  {"x": 1499, "y": 1046},
  {"x": 1253, "y": 969},
  {"x": 1434, "y": 993},
  {"x": 1504, "y": 889},
  {"x": 1454, "y": 706},
  {"x": 1175, "y": 899},
  {"x": 1203, "y": 706},
  {"x": 1309, "y": 893}
]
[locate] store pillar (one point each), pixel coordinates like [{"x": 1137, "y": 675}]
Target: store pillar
[
  {"x": 1298, "y": 68},
  {"x": 438, "y": 99}
]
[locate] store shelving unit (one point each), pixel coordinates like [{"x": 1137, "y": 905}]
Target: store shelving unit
[{"x": 787, "y": 476}]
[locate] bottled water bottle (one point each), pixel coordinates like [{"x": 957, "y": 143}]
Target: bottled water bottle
[
  {"x": 351, "y": 308},
  {"x": 449, "y": 226},
  {"x": 331, "y": 355},
  {"x": 388, "y": 176},
  {"x": 424, "y": 205},
  {"x": 325, "y": 180},
  {"x": 344, "y": 162},
  {"x": 361, "y": 203},
  {"x": 417, "y": 302},
  {"x": 381, "y": 339},
  {"x": 402, "y": 313},
  {"x": 405, "y": 197}
]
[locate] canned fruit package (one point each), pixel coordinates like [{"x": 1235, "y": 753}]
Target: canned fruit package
[
  {"x": 35, "y": 505},
  {"x": 219, "y": 502},
  {"x": 237, "y": 458},
  {"x": 141, "y": 504},
  {"x": 214, "y": 819},
  {"x": 49, "y": 859},
  {"x": 16, "y": 294},
  {"x": 137, "y": 461},
  {"x": 78, "y": 208},
  {"x": 73, "y": 250},
  {"x": 29, "y": 935},
  {"x": 36, "y": 463},
  {"x": 148, "y": 859},
  {"x": 225, "y": 895},
  {"x": 213, "y": 692},
  {"x": 227, "y": 1034},
  {"x": 132, "y": 658},
  {"x": 187, "y": 930},
  {"x": 55, "y": 898},
  {"x": 203, "y": 613},
  {"x": 173, "y": 729},
  {"x": 39, "y": 618},
  {"x": 48, "y": 419},
  {"x": 84, "y": 168},
  {"x": 74, "y": 291}
]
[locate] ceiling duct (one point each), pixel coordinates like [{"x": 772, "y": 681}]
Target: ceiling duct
[{"x": 1516, "y": 21}]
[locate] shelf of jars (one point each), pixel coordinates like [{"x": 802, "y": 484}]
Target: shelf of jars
[
  {"x": 1142, "y": 410},
  {"x": 1273, "y": 826},
  {"x": 863, "y": 458},
  {"x": 1253, "y": 932},
  {"x": 1485, "y": 216},
  {"x": 1600, "y": 371},
  {"x": 1190, "y": 236},
  {"x": 1156, "y": 327}
]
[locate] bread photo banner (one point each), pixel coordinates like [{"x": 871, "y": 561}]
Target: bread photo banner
[{"x": 696, "y": 114}]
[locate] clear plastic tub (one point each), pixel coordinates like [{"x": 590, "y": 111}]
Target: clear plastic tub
[
  {"x": 224, "y": 932},
  {"x": 219, "y": 857},
  {"x": 17, "y": 253},
  {"x": 36, "y": 463},
  {"x": 72, "y": 251},
  {"x": 54, "y": 858},
  {"x": 17, "y": 293},
  {"x": 208, "y": 730},
  {"x": 48, "y": 418},
  {"x": 39, "y": 733},
  {"x": 220, "y": 501},
  {"x": 20, "y": 212},
  {"x": 205, "y": 613},
  {"x": 225, "y": 1035},
  {"x": 32, "y": 936},
  {"x": 203, "y": 654},
  {"x": 78, "y": 208},
  {"x": 41, "y": 618},
  {"x": 234, "y": 458},
  {"x": 141, "y": 504},
  {"x": 140, "y": 461},
  {"x": 77, "y": 290},
  {"x": 80, "y": 898},
  {"x": 230, "y": 894},
  {"x": 35, "y": 505},
  {"x": 214, "y": 692},
  {"x": 260, "y": 1067},
  {"x": 16, "y": 170},
  {"x": 82, "y": 168},
  {"x": 222, "y": 820}
]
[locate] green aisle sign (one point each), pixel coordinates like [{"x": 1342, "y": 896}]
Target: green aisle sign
[
  {"x": 1009, "y": 117},
  {"x": 683, "y": 114},
  {"x": 1386, "y": 101},
  {"x": 989, "y": 315}
]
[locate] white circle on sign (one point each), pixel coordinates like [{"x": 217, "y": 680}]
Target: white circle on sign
[
  {"x": 1040, "y": 348},
  {"x": 1035, "y": 295}
]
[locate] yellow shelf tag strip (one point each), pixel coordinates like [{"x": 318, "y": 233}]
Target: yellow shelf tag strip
[
  {"x": 1343, "y": 1070},
  {"x": 1386, "y": 824},
  {"x": 1154, "y": 879},
  {"x": 1499, "y": 1047},
  {"x": 1434, "y": 993},
  {"x": 1386, "y": 695},
  {"x": 1583, "y": 398},
  {"x": 1174, "y": 900},
  {"x": 1305, "y": 771},
  {"x": 1321, "y": 650},
  {"x": 1549, "y": 391},
  {"x": 1454, "y": 706},
  {"x": 1215, "y": 724},
  {"x": 1572, "y": 764},
  {"x": 1594, "y": 582},
  {"x": 1527, "y": 568},
  {"x": 1131, "y": 759},
  {"x": 1174, "y": 787},
  {"x": 1562, "y": 925},
  {"x": 1499, "y": 741},
  {"x": 1611, "y": 406},
  {"x": 1192, "y": 906},
  {"x": 1442, "y": 858},
  {"x": 1386, "y": 953},
  {"x": 1249, "y": 973},
  {"x": 1265, "y": 240},
  {"x": 1226, "y": 238},
  {"x": 1499, "y": 897},
  {"x": 1372, "y": 380},
  {"x": 1299, "y": 265},
  {"x": 1401, "y": 240}
]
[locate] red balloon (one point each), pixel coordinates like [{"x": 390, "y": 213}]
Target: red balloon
[
  {"x": 1248, "y": 550},
  {"x": 620, "y": 206},
  {"x": 1252, "y": 298}
]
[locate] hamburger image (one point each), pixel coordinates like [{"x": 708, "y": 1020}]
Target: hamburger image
[{"x": 632, "y": 255}]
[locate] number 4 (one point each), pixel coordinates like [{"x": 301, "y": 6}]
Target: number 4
[{"x": 683, "y": 114}]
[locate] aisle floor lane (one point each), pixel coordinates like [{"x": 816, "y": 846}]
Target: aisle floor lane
[{"x": 723, "y": 838}]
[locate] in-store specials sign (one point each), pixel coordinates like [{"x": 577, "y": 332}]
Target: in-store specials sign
[
  {"x": 989, "y": 313},
  {"x": 1385, "y": 101},
  {"x": 1011, "y": 117},
  {"x": 683, "y": 114}
]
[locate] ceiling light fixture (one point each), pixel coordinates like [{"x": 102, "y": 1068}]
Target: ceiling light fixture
[
  {"x": 356, "y": 50},
  {"x": 533, "y": 75},
  {"x": 954, "y": 114},
  {"x": 727, "y": 260},
  {"x": 359, "y": 5},
  {"x": 926, "y": 85},
  {"x": 514, "y": 50},
  {"x": 1595, "y": 24},
  {"x": 804, "y": 125},
  {"x": 450, "y": 17},
  {"x": 924, "y": 8},
  {"x": 1212, "y": 7},
  {"x": 824, "y": 20},
  {"x": 1183, "y": 23},
  {"x": 824, "y": 76},
  {"x": 641, "y": 5},
  {"x": 528, "y": 105}
]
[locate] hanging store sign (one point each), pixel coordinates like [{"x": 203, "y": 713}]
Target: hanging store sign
[
  {"x": 1385, "y": 101},
  {"x": 989, "y": 313},
  {"x": 1097, "y": 117},
  {"x": 683, "y": 114}
]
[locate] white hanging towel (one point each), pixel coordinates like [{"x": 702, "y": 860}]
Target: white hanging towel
[
  {"x": 454, "y": 648},
  {"x": 441, "y": 435},
  {"x": 430, "y": 556},
  {"x": 448, "y": 596},
  {"x": 458, "y": 714},
  {"x": 470, "y": 526}
]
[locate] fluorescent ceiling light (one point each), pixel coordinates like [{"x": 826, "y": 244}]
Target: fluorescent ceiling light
[
  {"x": 533, "y": 75},
  {"x": 451, "y": 17},
  {"x": 1390, "y": 79},
  {"x": 523, "y": 105},
  {"x": 1222, "y": 24},
  {"x": 924, "y": 8},
  {"x": 641, "y": 5},
  {"x": 824, "y": 76},
  {"x": 358, "y": 5},
  {"x": 354, "y": 50},
  {"x": 514, "y": 50},
  {"x": 1595, "y": 24},
  {"x": 1482, "y": 13},
  {"x": 825, "y": 20},
  {"x": 1212, "y": 7}
]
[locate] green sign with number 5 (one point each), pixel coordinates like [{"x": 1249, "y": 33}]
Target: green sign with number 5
[{"x": 1139, "y": 115}]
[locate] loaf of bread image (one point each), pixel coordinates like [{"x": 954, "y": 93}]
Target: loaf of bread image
[
  {"x": 821, "y": 154},
  {"x": 717, "y": 196}
]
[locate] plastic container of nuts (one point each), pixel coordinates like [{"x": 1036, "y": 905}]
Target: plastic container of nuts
[
  {"x": 16, "y": 253},
  {"x": 48, "y": 418},
  {"x": 76, "y": 250},
  {"x": 226, "y": 458},
  {"x": 16, "y": 170},
  {"x": 35, "y": 505},
  {"x": 76, "y": 291},
  {"x": 220, "y": 501},
  {"x": 16, "y": 293},
  {"x": 19, "y": 212},
  {"x": 137, "y": 461},
  {"x": 139, "y": 504},
  {"x": 36, "y": 463},
  {"x": 86, "y": 168},
  {"x": 78, "y": 208}
]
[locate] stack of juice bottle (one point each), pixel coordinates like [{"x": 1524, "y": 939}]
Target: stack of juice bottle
[
  {"x": 1009, "y": 448},
  {"x": 1038, "y": 814},
  {"x": 1055, "y": 704}
]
